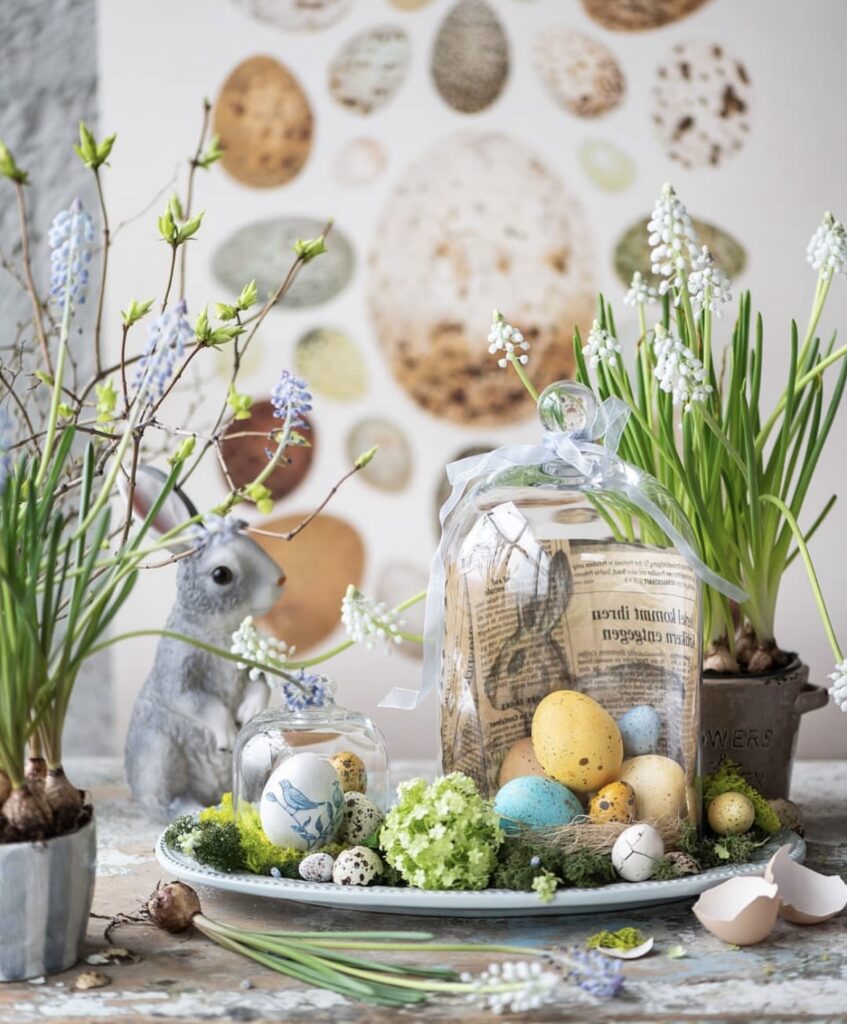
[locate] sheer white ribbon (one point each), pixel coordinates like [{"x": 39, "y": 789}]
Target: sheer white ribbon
[{"x": 590, "y": 460}]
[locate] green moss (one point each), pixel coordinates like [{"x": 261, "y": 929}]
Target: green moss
[
  {"x": 218, "y": 845},
  {"x": 728, "y": 779},
  {"x": 713, "y": 851},
  {"x": 623, "y": 938},
  {"x": 177, "y": 831},
  {"x": 222, "y": 813},
  {"x": 583, "y": 869},
  {"x": 665, "y": 871}
]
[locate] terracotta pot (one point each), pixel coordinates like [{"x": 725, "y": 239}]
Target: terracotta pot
[
  {"x": 754, "y": 720},
  {"x": 45, "y": 898}
]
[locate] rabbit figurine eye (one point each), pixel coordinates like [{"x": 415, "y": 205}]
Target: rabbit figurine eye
[{"x": 222, "y": 575}]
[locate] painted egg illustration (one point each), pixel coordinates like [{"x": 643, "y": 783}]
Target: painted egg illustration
[
  {"x": 470, "y": 57},
  {"x": 332, "y": 364},
  {"x": 391, "y": 470},
  {"x": 370, "y": 68},
  {"x": 296, "y": 15},
  {"x": 263, "y": 251},
  {"x": 606, "y": 164},
  {"x": 636, "y": 15},
  {"x": 488, "y": 218},
  {"x": 302, "y": 804},
  {"x": 245, "y": 455},
  {"x": 360, "y": 162},
  {"x": 701, "y": 103},
  {"x": 640, "y": 728},
  {"x": 264, "y": 122},
  {"x": 581, "y": 74}
]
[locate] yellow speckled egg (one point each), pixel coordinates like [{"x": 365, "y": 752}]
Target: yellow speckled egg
[
  {"x": 615, "y": 802},
  {"x": 520, "y": 760},
  {"x": 659, "y": 785},
  {"x": 351, "y": 770},
  {"x": 730, "y": 814},
  {"x": 576, "y": 741}
]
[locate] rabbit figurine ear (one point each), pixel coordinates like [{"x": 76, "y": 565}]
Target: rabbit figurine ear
[
  {"x": 175, "y": 509},
  {"x": 559, "y": 591}
]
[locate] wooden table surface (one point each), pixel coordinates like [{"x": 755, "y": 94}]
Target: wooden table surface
[{"x": 798, "y": 974}]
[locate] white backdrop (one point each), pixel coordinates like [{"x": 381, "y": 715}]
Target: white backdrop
[{"x": 158, "y": 58}]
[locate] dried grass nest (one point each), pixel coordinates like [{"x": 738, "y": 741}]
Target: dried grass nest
[{"x": 583, "y": 834}]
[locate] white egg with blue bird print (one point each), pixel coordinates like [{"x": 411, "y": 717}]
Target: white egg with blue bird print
[
  {"x": 640, "y": 729},
  {"x": 302, "y": 804}
]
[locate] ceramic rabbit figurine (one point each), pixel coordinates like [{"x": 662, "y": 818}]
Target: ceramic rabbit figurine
[
  {"x": 531, "y": 663},
  {"x": 183, "y": 726}
]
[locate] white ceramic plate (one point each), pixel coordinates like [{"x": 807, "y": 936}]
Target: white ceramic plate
[{"x": 489, "y": 903}]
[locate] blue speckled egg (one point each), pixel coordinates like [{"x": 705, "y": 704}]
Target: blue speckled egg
[
  {"x": 640, "y": 728},
  {"x": 536, "y": 802}
]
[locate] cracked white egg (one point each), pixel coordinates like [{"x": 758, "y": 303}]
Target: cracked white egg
[{"x": 636, "y": 852}]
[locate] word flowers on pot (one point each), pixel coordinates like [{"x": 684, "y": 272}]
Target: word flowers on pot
[
  {"x": 741, "y": 471},
  {"x": 564, "y": 595},
  {"x": 72, "y": 428}
]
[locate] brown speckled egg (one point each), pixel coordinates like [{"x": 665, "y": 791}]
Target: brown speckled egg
[
  {"x": 638, "y": 15},
  {"x": 356, "y": 866},
  {"x": 487, "y": 217},
  {"x": 615, "y": 802},
  {"x": 683, "y": 863},
  {"x": 581, "y": 74},
  {"x": 362, "y": 818},
  {"x": 369, "y": 69},
  {"x": 520, "y": 760},
  {"x": 731, "y": 814},
  {"x": 470, "y": 57},
  {"x": 351, "y": 771},
  {"x": 701, "y": 102},
  {"x": 264, "y": 122}
]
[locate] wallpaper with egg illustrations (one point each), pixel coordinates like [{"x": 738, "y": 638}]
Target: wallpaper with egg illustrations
[{"x": 472, "y": 154}]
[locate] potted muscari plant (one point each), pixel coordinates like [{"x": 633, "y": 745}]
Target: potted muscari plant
[
  {"x": 68, "y": 557},
  {"x": 740, "y": 471}
]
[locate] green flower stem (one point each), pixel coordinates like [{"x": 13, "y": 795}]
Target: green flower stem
[
  {"x": 58, "y": 379},
  {"x": 521, "y": 372},
  {"x": 810, "y": 569}
]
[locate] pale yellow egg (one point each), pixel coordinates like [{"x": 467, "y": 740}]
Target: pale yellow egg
[
  {"x": 659, "y": 785},
  {"x": 730, "y": 814}
]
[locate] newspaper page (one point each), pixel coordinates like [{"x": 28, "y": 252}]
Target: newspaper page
[{"x": 526, "y": 616}]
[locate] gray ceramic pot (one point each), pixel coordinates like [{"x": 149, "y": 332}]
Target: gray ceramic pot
[
  {"x": 45, "y": 898},
  {"x": 754, "y": 720}
]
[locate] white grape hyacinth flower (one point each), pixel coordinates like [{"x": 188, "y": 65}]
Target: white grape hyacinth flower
[
  {"x": 251, "y": 643},
  {"x": 678, "y": 371},
  {"x": 600, "y": 347},
  {"x": 708, "y": 285},
  {"x": 838, "y": 690},
  {"x": 505, "y": 338},
  {"x": 827, "y": 249},
  {"x": 367, "y": 621},
  {"x": 673, "y": 242},
  {"x": 522, "y": 986},
  {"x": 640, "y": 292}
]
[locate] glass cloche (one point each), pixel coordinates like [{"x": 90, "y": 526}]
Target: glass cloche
[
  {"x": 310, "y": 722},
  {"x": 562, "y": 568}
]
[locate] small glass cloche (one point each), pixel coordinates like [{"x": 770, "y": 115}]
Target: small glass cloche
[{"x": 308, "y": 721}]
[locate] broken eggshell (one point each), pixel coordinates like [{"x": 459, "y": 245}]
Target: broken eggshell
[
  {"x": 741, "y": 911},
  {"x": 627, "y": 954},
  {"x": 808, "y": 897}
]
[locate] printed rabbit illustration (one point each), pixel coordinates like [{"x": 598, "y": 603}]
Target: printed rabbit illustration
[
  {"x": 184, "y": 722},
  {"x": 531, "y": 663}
]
